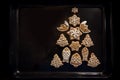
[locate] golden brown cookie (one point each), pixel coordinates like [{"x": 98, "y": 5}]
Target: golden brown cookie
[
  {"x": 76, "y": 60},
  {"x": 74, "y": 20},
  {"x": 84, "y": 27},
  {"x": 75, "y": 10},
  {"x": 87, "y": 42},
  {"x": 93, "y": 61},
  {"x": 74, "y": 33},
  {"x": 85, "y": 53},
  {"x": 75, "y": 45},
  {"x": 62, "y": 41},
  {"x": 63, "y": 27},
  {"x": 66, "y": 54},
  {"x": 56, "y": 62}
]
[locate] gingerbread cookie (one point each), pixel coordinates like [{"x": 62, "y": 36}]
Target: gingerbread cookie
[
  {"x": 93, "y": 61},
  {"x": 87, "y": 42},
  {"x": 85, "y": 53},
  {"x": 74, "y": 20},
  {"x": 66, "y": 54},
  {"x": 62, "y": 41},
  {"x": 76, "y": 60},
  {"x": 84, "y": 27},
  {"x": 74, "y": 33},
  {"x": 56, "y": 62},
  {"x": 63, "y": 27},
  {"x": 75, "y": 45}
]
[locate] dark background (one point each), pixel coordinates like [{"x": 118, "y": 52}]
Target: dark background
[
  {"x": 6, "y": 69},
  {"x": 37, "y": 37}
]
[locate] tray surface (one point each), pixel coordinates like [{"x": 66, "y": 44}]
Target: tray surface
[{"x": 36, "y": 36}]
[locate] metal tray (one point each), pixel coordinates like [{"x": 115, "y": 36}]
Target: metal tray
[{"x": 34, "y": 34}]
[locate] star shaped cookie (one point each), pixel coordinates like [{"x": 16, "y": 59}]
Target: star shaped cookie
[
  {"x": 75, "y": 45},
  {"x": 74, "y": 20},
  {"x": 75, "y": 10},
  {"x": 74, "y": 33}
]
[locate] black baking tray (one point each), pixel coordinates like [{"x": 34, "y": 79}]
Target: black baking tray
[{"x": 34, "y": 34}]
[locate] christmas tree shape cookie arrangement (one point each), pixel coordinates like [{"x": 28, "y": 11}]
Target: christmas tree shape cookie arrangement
[{"x": 71, "y": 53}]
